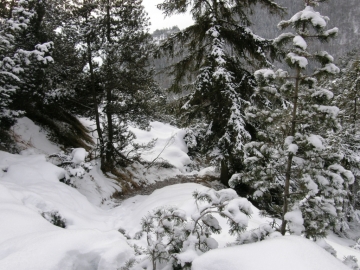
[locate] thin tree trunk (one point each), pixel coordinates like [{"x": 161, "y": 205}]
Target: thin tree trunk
[
  {"x": 354, "y": 187},
  {"x": 290, "y": 156},
  {"x": 95, "y": 106},
  {"x": 109, "y": 113},
  {"x": 12, "y": 4}
]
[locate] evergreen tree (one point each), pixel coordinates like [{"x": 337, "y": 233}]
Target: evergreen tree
[
  {"x": 31, "y": 91},
  {"x": 17, "y": 56},
  {"x": 60, "y": 24},
  {"x": 38, "y": 91},
  {"x": 121, "y": 85},
  {"x": 346, "y": 87},
  {"x": 220, "y": 52},
  {"x": 293, "y": 166},
  {"x": 126, "y": 77}
]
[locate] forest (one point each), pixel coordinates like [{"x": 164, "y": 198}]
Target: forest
[{"x": 196, "y": 148}]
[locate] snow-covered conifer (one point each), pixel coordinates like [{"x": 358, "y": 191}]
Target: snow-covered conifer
[
  {"x": 346, "y": 87},
  {"x": 293, "y": 165},
  {"x": 219, "y": 52},
  {"x": 176, "y": 237},
  {"x": 18, "y": 55},
  {"x": 117, "y": 75},
  {"x": 126, "y": 74}
]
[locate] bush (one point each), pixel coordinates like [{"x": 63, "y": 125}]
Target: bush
[
  {"x": 55, "y": 218},
  {"x": 175, "y": 238},
  {"x": 73, "y": 161}
]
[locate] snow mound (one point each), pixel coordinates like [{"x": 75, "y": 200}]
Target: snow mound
[
  {"x": 79, "y": 155},
  {"x": 209, "y": 171},
  {"x": 32, "y": 138},
  {"x": 30, "y": 196},
  {"x": 289, "y": 252},
  {"x": 134, "y": 209},
  {"x": 169, "y": 146}
]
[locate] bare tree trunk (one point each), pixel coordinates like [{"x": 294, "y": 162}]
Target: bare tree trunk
[
  {"x": 95, "y": 106},
  {"x": 109, "y": 109},
  {"x": 354, "y": 186},
  {"x": 290, "y": 156},
  {"x": 11, "y": 7}
]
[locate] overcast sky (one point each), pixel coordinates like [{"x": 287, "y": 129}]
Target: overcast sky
[{"x": 157, "y": 18}]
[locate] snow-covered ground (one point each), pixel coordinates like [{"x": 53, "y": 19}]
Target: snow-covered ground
[
  {"x": 31, "y": 138},
  {"x": 32, "y": 198},
  {"x": 29, "y": 191},
  {"x": 169, "y": 146},
  {"x": 289, "y": 252}
]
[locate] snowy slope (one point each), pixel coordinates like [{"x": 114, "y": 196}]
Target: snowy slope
[
  {"x": 30, "y": 192},
  {"x": 169, "y": 145},
  {"x": 289, "y": 252},
  {"x": 31, "y": 138},
  {"x": 30, "y": 188}
]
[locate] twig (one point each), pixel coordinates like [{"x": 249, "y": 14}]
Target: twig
[{"x": 168, "y": 143}]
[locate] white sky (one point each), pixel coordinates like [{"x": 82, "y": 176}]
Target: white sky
[{"x": 158, "y": 20}]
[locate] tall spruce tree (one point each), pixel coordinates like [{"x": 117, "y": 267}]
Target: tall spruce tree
[
  {"x": 220, "y": 52},
  {"x": 293, "y": 166},
  {"x": 126, "y": 75},
  {"x": 122, "y": 84}
]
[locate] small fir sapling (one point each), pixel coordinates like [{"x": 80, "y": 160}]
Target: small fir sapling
[
  {"x": 173, "y": 238},
  {"x": 351, "y": 262},
  {"x": 73, "y": 161},
  {"x": 263, "y": 232},
  {"x": 322, "y": 243},
  {"x": 295, "y": 122},
  {"x": 55, "y": 219}
]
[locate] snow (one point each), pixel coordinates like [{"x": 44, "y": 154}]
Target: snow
[
  {"x": 310, "y": 184},
  {"x": 342, "y": 246},
  {"x": 283, "y": 36},
  {"x": 289, "y": 252},
  {"x": 134, "y": 209},
  {"x": 169, "y": 146},
  {"x": 97, "y": 188},
  {"x": 308, "y": 14},
  {"x": 300, "y": 42},
  {"x": 332, "y": 111},
  {"x": 235, "y": 210},
  {"x": 330, "y": 68},
  {"x": 316, "y": 141},
  {"x": 321, "y": 92},
  {"x": 334, "y": 31},
  {"x": 30, "y": 193},
  {"x": 30, "y": 187},
  {"x": 31, "y": 138},
  {"x": 209, "y": 171},
  {"x": 266, "y": 73},
  {"x": 79, "y": 155},
  {"x": 326, "y": 55},
  {"x": 301, "y": 61},
  {"x": 295, "y": 221},
  {"x": 293, "y": 148}
]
